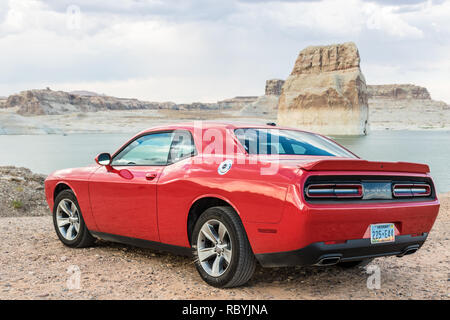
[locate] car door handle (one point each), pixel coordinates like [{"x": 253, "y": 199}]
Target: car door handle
[{"x": 151, "y": 175}]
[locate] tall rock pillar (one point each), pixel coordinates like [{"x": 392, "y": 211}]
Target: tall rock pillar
[{"x": 326, "y": 92}]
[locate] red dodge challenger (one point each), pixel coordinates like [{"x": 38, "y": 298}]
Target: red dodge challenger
[{"x": 233, "y": 196}]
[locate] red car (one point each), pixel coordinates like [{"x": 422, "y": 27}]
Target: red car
[{"x": 237, "y": 195}]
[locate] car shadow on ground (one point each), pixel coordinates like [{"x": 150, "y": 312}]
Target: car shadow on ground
[
  {"x": 303, "y": 274},
  {"x": 325, "y": 277}
]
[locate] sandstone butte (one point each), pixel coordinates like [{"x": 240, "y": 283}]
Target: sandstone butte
[
  {"x": 326, "y": 92},
  {"x": 397, "y": 92},
  {"x": 273, "y": 87}
]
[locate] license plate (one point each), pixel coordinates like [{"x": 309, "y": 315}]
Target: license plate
[
  {"x": 377, "y": 190},
  {"x": 383, "y": 232}
]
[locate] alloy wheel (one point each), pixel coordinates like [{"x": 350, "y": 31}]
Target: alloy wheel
[
  {"x": 68, "y": 219},
  {"x": 214, "y": 249}
]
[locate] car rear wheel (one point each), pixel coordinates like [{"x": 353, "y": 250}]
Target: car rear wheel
[
  {"x": 223, "y": 256},
  {"x": 69, "y": 223}
]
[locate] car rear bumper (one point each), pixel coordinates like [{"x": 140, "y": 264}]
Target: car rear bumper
[{"x": 319, "y": 253}]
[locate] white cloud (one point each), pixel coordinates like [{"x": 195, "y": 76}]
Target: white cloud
[
  {"x": 387, "y": 20},
  {"x": 326, "y": 17},
  {"x": 207, "y": 50}
]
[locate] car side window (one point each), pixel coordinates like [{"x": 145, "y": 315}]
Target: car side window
[
  {"x": 149, "y": 150},
  {"x": 182, "y": 146},
  {"x": 298, "y": 149}
]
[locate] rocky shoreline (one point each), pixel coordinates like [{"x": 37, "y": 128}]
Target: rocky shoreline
[{"x": 21, "y": 193}]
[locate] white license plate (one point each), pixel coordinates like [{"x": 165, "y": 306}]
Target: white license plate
[{"x": 383, "y": 232}]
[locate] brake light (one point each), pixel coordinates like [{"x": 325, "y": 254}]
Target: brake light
[
  {"x": 334, "y": 191},
  {"x": 411, "y": 190}
]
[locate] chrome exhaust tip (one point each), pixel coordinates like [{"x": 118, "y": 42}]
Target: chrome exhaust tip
[
  {"x": 409, "y": 250},
  {"x": 328, "y": 261}
]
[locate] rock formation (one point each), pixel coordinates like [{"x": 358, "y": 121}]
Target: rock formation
[
  {"x": 400, "y": 106},
  {"x": 236, "y": 102},
  {"x": 265, "y": 107},
  {"x": 326, "y": 92},
  {"x": 21, "y": 192},
  {"x": 397, "y": 91},
  {"x": 48, "y": 102},
  {"x": 3, "y": 102},
  {"x": 85, "y": 93},
  {"x": 195, "y": 106},
  {"x": 40, "y": 102},
  {"x": 274, "y": 86}
]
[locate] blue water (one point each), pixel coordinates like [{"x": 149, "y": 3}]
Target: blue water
[
  {"x": 46, "y": 153},
  {"x": 430, "y": 147}
]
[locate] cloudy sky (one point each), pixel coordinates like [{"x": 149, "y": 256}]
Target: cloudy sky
[{"x": 205, "y": 50}]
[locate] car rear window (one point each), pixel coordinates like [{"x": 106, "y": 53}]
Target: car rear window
[{"x": 288, "y": 142}]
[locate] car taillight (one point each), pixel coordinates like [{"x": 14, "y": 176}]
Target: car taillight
[
  {"x": 411, "y": 190},
  {"x": 334, "y": 191}
]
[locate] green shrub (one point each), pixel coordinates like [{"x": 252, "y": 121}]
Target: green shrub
[{"x": 17, "y": 204}]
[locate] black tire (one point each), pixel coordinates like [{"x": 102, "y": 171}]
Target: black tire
[
  {"x": 83, "y": 238},
  {"x": 354, "y": 264},
  {"x": 242, "y": 265}
]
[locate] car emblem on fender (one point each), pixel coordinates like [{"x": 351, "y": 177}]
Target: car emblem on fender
[{"x": 224, "y": 167}]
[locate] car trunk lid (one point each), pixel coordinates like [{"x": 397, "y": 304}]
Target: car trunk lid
[{"x": 343, "y": 164}]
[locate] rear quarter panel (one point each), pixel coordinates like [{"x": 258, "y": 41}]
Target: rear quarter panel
[{"x": 255, "y": 197}]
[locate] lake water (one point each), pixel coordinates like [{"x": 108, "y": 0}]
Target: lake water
[{"x": 46, "y": 153}]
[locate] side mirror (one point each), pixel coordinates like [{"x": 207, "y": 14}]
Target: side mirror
[{"x": 103, "y": 159}]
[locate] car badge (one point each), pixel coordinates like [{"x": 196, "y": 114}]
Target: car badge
[{"x": 224, "y": 167}]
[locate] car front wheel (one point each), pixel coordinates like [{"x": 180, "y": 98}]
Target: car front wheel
[
  {"x": 69, "y": 223},
  {"x": 223, "y": 256}
]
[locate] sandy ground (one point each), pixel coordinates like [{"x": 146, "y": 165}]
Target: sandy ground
[{"x": 35, "y": 265}]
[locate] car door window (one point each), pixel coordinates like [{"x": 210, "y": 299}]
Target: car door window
[
  {"x": 149, "y": 150},
  {"x": 182, "y": 146}
]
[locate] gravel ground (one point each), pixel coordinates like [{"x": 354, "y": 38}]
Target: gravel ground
[{"x": 35, "y": 265}]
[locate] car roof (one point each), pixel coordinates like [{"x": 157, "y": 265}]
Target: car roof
[{"x": 214, "y": 124}]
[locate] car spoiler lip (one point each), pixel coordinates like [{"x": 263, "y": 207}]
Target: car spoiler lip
[{"x": 364, "y": 165}]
